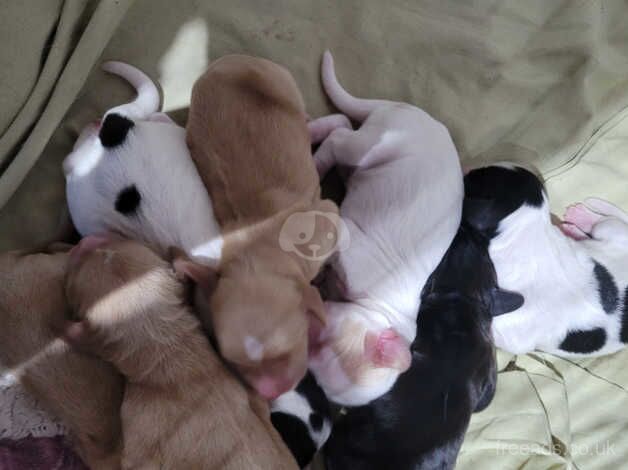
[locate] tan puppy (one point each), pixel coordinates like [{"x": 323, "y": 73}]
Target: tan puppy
[
  {"x": 247, "y": 134},
  {"x": 182, "y": 409},
  {"x": 83, "y": 391}
]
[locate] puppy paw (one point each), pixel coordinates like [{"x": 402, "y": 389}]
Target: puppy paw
[{"x": 582, "y": 218}]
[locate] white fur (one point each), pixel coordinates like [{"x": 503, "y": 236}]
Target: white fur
[
  {"x": 297, "y": 405},
  {"x": 402, "y": 209},
  {"x": 175, "y": 208},
  {"x": 555, "y": 275}
]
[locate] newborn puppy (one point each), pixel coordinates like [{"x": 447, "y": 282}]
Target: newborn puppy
[
  {"x": 575, "y": 291},
  {"x": 247, "y": 135},
  {"x": 303, "y": 418},
  {"x": 420, "y": 423},
  {"x": 82, "y": 391},
  {"x": 132, "y": 174},
  {"x": 402, "y": 210},
  {"x": 182, "y": 409}
]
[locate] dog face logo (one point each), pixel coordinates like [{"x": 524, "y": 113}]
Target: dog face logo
[{"x": 314, "y": 235}]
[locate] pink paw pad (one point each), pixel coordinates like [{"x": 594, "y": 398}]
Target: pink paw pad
[{"x": 581, "y": 217}]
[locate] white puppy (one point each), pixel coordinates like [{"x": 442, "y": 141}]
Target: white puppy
[
  {"x": 132, "y": 174},
  {"x": 402, "y": 210},
  {"x": 575, "y": 291}
]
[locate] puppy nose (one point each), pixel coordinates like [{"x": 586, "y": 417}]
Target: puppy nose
[
  {"x": 314, "y": 247},
  {"x": 85, "y": 246}
]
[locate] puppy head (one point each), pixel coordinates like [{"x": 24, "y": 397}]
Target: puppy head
[
  {"x": 352, "y": 362},
  {"x": 455, "y": 331},
  {"x": 495, "y": 192},
  {"x": 110, "y": 286},
  {"x": 260, "y": 318},
  {"x": 125, "y": 175}
]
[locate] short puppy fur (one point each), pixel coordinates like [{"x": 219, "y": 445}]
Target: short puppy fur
[
  {"x": 402, "y": 209},
  {"x": 420, "y": 423},
  {"x": 573, "y": 276},
  {"x": 83, "y": 391},
  {"x": 182, "y": 408},
  {"x": 247, "y": 135}
]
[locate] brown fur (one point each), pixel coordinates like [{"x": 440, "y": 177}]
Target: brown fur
[
  {"x": 83, "y": 391},
  {"x": 182, "y": 409},
  {"x": 247, "y": 135}
]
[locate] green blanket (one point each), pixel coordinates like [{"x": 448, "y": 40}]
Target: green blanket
[{"x": 541, "y": 81}]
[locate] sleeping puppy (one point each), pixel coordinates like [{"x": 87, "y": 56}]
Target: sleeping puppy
[
  {"x": 303, "y": 419},
  {"x": 402, "y": 210},
  {"x": 132, "y": 174},
  {"x": 420, "y": 423},
  {"x": 182, "y": 409},
  {"x": 82, "y": 391},
  {"x": 576, "y": 291},
  {"x": 247, "y": 135}
]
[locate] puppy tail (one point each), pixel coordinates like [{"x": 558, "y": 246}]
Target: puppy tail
[
  {"x": 357, "y": 109},
  {"x": 147, "y": 100}
]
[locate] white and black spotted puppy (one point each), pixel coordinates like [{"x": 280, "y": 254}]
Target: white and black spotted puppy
[
  {"x": 131, "y": 173},
  {"x": 573, "y": 277},
  {"x": 303, "y": 418}
]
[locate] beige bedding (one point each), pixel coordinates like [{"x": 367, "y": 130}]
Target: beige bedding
[{"x": 544, "y": 81}]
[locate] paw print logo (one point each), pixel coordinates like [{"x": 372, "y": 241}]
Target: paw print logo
[{"x": 314, "y": 235}]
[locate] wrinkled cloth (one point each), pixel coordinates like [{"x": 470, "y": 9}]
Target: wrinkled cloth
[
  {"x": 544, "y": 82},
  {"x": 38, "y": 453}
]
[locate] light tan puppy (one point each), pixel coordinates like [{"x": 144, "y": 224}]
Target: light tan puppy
[
  {"x": 247, "y": 134},
  {"x": 84, "y": 392},
  {"x": 182, "y": 409}
]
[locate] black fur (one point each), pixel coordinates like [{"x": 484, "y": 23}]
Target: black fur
[
  {"x": 295, "y": 432},
  {"x": 114, "y": 130},
  {"x": 128, "y": 200},
  {"x": 584, "y": 342},
  {"x": 296, "y": 436},
  {"x": 607, "y": 289},
  {"x": 420, "y": 423},
  {"x": 623, "y": 333},
  {"x": 493, "y": 193}
]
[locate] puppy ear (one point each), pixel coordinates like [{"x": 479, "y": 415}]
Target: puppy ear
[
  {"x": 186, "y": 269},
  {"x": 387, "y": 349},
  {"x": 313, "y": 304},
  {"x": 504, "y": 301}
]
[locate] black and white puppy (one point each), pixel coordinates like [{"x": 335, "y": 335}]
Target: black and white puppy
[
  {"x": 303, "y": 418},
  {"x": 573, "y": 276},
  {"x": 420, "y": 423}
]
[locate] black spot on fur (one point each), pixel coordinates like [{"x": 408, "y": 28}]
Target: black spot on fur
[
  {"x": 114, "y": 130},
  {"x": 128, "y": 200},
  {"x": 623, "y": 334},
  {"x": 606, "y": 287},
  {"x": 316, "y": 421},
  {"x": 492, "y": 193},
  {"x": 296, "y": 436},
  {"x": 584, "y": 342}
]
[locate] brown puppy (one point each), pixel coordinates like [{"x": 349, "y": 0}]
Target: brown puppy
[
  {"x": 83, "y": 391},
  {"x": 247, "y": 135},
  {"x": 182, "y": 409}
]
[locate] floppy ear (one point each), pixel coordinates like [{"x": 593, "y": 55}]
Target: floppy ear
[
  {"x": 387, "y": 349},
  {"x": 203, "y": 276},
  {"x": 313, "y": 304},
  {"x": 504, "y": 301}
]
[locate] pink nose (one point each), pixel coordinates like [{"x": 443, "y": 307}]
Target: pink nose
[{"x": 86, "y": 246}]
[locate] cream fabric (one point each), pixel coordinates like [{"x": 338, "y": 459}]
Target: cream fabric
[{"x": 543, "y": 81}]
